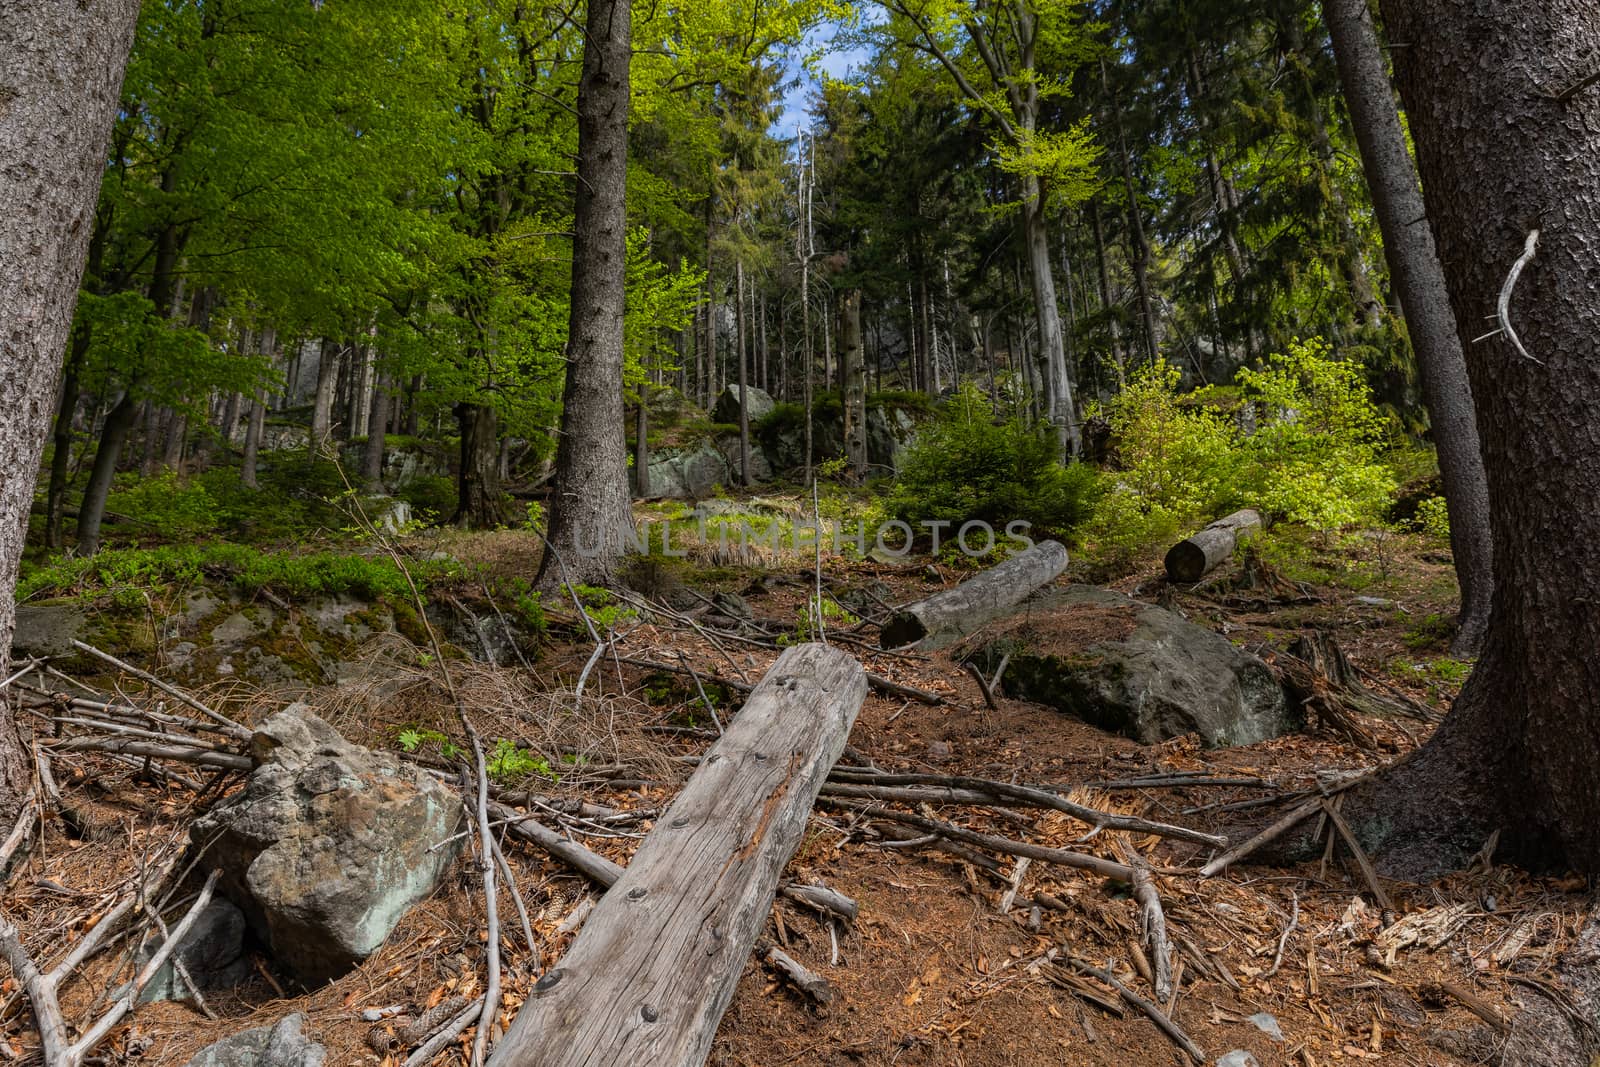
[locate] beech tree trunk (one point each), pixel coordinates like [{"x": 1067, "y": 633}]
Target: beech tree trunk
[
  {"x": 329, "y": 357},
  {"x": 590, "y": 508},
  {"x": 1420, "y": 284},
  {"x": 61, "y": 457},
  {"x": 59, "y": 87},
  {"x": 252, "y": 440},
  {"x": 1507, "y": 142},
  {"x": 113, "y": 434}
]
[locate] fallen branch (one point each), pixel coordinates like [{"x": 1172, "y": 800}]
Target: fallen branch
[
  {"x": 808, "y": 982},
  {"x": 1162, "y": 1020},
  {"x": 227, "y": 725},
  {"x": 1029, "y": 796},
  {"x": 1153, "y": 926},
  {"x": 1266, "y": 836},
  {"x": 43, "y": 990},
  {"x": 1371, "y": 875},
  {"x": 1079, "y": 860}
]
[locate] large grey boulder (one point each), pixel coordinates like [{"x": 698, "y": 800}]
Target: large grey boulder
[
  {"x": 1138, "y": 670},
  {"x": 328, "y": 845},
  {"x": 760, "y": 467},
  {"x": 727, "y": 406},
  {"x": 282, "y": 1044},
  {"x": 691, "y": 473}
]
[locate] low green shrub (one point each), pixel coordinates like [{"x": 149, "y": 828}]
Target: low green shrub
[
  {"x": 1316, "y": 456},
  {"x": 967, "y": 465},
  {"x": 247, "y": 569}
]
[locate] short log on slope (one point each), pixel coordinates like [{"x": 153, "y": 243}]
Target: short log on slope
[
  {"x": 948, "y": 616},
  {"x": 648, "y": 979},
  {"x": 1192, "y": 558}
]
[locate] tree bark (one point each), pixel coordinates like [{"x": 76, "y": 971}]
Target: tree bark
[
  {"x": 590, "y": 508},
  {"x": 59, "y": 89},
  {"x": 1420, "y": 284},
  {"x": 648, "y": 978},
  {"x": 252, "y": 440},
  {"x": 478, "y": 474},
  {"x": 743, "y": 360},
  {"x": 853, "y": 372},
  {"x": 329, "y": 357},
  {"x": 1060, "y": 407},
  {"x": 1502, "y": 151},
  {"x": 1192, "y": 558},
  {"x": 641, "y": 444},
  {"x": 113, "y": 434},
  {"x": 372, "y": 451},
  {"x": 61, "y": 457}
]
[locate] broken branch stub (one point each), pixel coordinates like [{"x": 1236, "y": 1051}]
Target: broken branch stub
[
  {"x": 648, "y": 979},
  {"x": 954, "y": 613}
]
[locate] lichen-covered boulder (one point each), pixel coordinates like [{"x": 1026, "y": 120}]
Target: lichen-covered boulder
[
  {"x": 328, "y": 845},
  {"x": 1137, "y": 669},
  {"x": 726, "y": 409}
]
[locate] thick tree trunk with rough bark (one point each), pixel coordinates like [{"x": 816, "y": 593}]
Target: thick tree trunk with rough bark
[
  {"x": 59, "y": 85},
  {"x": 852, "y": 371},
  {"x": 1507, "y": 142},
  {"x": 590, "y": 508},
  {"x": 1419, "y": 282},
  {"x": 478, "y": 475}
]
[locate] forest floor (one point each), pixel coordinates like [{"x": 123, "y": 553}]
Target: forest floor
[{"x": 936, "y": 970}]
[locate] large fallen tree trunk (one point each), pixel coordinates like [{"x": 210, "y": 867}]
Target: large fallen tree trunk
[
  {"x": 1190, "y": 559},
  {"x": 953, "y": 614},
  {"x": 648, "y": 979}
]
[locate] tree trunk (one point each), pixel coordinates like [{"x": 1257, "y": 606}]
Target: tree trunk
[
  {"x": 59, "y": 90},
  {"x": 743, "y": 360},
  {"x": 1419, "y": 282},
  {"x": 177, "y": 436},
  {"x": 61, "y": 458},
  {"x": 228, "y": 428},
  {"x": 1104, "y": 278},
  {"x": 1501, "y": 152},
  {"x": 648, "y": 978},
  {"x": 590, "y": 509},
  {"x": 252, "y": 440},
  {"x": 372, "y": 451},
  {"x": 1060, "y": 407},
  {"x": 853, "y": 372},
  {"x": 113, "y": 434},
  {"x": 641, "y": 444},
  {"x": 948, "y": 616},
  {"x": 478, "y": 473},
  {"x": 329, "y": 357}
]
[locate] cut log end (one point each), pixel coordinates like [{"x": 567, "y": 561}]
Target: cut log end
[
  {"x": 1186, "y": 562},
  {"x": 902, "y": 630}
]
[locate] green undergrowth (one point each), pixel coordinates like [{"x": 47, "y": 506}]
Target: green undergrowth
[{"x": 248, "y": 570}]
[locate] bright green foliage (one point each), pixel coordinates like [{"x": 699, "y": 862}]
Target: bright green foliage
[
  {"x": 1314, "y": 457},
  {"x": 969, "y": 465},
  {"x": 1433, "y": 518},
  {"x": 509, "y": 762}
]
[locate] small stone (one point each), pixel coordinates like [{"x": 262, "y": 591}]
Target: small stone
[
  {"x": 1267, "y": 1024},
  {"x": 1238, "y": 1058}
]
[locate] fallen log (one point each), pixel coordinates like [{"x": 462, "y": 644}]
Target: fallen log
[
  {"x": 1190, "y": 559},
  {"x": 948, "y": 616},
  {"x": 652, "y": 972}
]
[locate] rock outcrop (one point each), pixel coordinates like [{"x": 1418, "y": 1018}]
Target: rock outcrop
[{"x": 328, "y": 845}]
